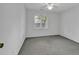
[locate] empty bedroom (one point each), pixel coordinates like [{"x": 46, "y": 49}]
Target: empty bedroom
[{"x": 39, "y": 28}]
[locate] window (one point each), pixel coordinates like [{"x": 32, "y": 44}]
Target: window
[{"x": 40, "y": 22}]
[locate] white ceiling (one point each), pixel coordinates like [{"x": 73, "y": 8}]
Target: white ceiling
[{"x": 59, "y": 6}]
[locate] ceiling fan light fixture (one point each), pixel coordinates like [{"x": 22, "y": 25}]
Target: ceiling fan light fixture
[{"x": 50, "y": 6}]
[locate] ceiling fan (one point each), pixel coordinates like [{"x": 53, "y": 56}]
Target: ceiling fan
[{"x": 49, "y": 6}]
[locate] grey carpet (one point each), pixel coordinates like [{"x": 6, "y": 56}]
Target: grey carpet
[{"x": 51, "y": 45}]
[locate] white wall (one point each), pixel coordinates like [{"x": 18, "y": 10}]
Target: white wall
[
  {"x": 53, "y": 20},
  {"x": 70, "y": 24},
  {"x": 12, "y": 27}
]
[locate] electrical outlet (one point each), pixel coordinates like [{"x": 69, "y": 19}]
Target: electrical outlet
[{"x": 1, "y": 45}]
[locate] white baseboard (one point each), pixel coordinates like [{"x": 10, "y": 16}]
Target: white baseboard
[{"x": 66, "y": 36}]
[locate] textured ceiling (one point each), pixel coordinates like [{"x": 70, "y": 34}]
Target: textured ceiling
[{"x": 58, "y": 6}]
